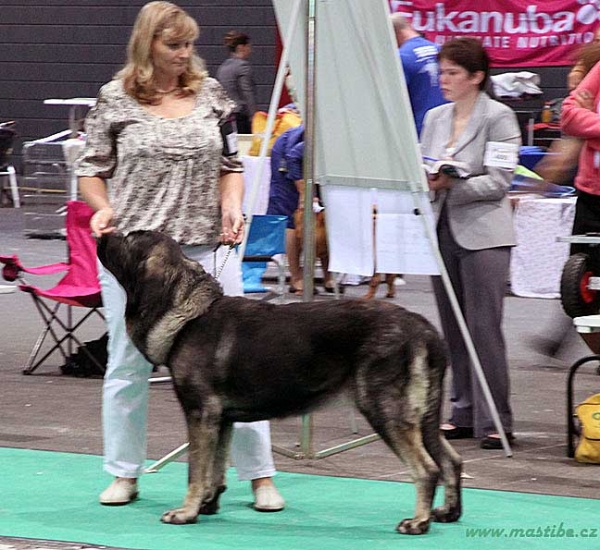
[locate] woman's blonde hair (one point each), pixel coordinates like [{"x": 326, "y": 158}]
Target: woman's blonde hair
[{"x": 169, "y": 22}]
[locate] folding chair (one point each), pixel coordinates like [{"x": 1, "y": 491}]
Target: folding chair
[
  {"x": 78, "y": 288},
  {"x": 266, "y": 239}
]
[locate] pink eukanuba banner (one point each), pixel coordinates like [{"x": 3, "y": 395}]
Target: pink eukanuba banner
[{"x": 516, "y": 33}]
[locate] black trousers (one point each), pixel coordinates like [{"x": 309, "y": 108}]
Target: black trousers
[
  {"x": 478, "y": 278},
  {"x": 587, "y": 218},
  {"x": 243, "y": 123}
]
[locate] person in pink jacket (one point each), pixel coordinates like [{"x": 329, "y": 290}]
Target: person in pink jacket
[
  {"x": 580, "y": 118},
  {"x": 580, "y": 123}
]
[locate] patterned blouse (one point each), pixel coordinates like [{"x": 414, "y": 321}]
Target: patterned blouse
[{"x": 164, "y": 172}]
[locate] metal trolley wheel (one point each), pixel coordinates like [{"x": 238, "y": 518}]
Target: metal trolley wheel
[{"x": 576, "y": 295}]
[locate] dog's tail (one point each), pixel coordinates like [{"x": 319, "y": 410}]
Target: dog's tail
[
  {"x": 428, "y": 368},
  {"x": 438, "y": 357},
  {"x": 437, "y": 361}
]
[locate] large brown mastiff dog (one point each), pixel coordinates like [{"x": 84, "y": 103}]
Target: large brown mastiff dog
[{"x": 235, "y": 359}]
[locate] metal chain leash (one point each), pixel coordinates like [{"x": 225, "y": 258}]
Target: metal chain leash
[
  {"x": 217, "y": 272},
  {"x": 220, "y": 270}
]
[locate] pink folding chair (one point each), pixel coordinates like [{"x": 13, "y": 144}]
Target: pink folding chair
[{"x": 78, "y": 288}]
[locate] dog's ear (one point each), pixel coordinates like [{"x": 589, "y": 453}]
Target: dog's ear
[{"x": 157, "y": 260}]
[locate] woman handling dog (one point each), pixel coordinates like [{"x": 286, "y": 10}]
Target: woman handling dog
[
  {"x": 475, "y": 232},
  {"x": 159, "y": 132}
]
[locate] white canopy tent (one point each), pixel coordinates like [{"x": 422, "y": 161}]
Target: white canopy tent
[{"x": 361, "y": 146}]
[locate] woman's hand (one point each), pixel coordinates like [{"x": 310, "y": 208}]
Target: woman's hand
[
  {"x": 102, "y": 222},
  {"x": 232, "y": 227},
  {"x": 232, "y": 219},
  {"x": 439, "y": 181},
  {"x": 94, "y": 191}
]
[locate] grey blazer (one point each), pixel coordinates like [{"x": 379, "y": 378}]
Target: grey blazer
[
  {"x": 235, "y": 75},
  {"x": 478, "y": 208}
]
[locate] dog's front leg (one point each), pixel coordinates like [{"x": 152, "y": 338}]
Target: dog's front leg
[
  {"x": 216, "y": 483},
  {"x": 203, "y": 432}
]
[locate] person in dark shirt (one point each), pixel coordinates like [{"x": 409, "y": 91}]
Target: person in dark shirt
[{"x": 284, "y": 197}]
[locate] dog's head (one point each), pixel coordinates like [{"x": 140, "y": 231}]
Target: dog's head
[
  {"x": 124, "y": 256},
  {"x": 164, "y": 288},
  {"x": 141, "y": 257}
]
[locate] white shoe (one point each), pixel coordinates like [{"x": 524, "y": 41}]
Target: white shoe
[
  {"x": 121, "y": 491},
  {"x": 268, "y": 499}
]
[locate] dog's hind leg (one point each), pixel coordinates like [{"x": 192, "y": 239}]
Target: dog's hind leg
[
  {"x": 203, "y": 433},
  {"x": 444, "y": 455},
  {"x": 451, "y": 466},
  {"x": 216, "y": 482},
  {"x": 395, "y": 407},
  {"x": 405, "y": 440},
  {"x": 407, "y": 444}
]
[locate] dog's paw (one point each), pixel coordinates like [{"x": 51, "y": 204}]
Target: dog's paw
[
  {"x": 179, "y": 516},
  {"x": 412, "y": 526},
  {"x": 443, "y": 514}
]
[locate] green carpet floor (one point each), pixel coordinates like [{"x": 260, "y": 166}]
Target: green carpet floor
[{"x": 53, "y": 496}]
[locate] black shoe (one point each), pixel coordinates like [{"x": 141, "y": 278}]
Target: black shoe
[
  {"x": 459, "y": 432},
  {"x": 495, "y": 442}
]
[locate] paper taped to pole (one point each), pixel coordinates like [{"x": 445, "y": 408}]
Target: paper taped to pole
[{"x": 365, "y": 139}]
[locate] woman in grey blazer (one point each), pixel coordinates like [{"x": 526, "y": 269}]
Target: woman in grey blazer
[
  {"x": 235, "y": 75},
  {"x": 475, "y": 231}
]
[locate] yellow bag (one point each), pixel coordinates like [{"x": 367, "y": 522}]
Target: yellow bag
[
  {"x": 284, "y": 120},
  {"x": 588, "y": 412}
]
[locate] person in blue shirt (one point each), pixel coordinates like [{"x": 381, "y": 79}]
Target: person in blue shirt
[
  {"x": 420, "y": 66},
  {"x": 284, "y": 197}
]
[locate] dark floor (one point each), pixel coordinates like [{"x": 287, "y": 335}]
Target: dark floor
[{"x": 48, "y": 410}]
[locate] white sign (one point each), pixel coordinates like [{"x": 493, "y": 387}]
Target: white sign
[{"x": 501, "y": 155}]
